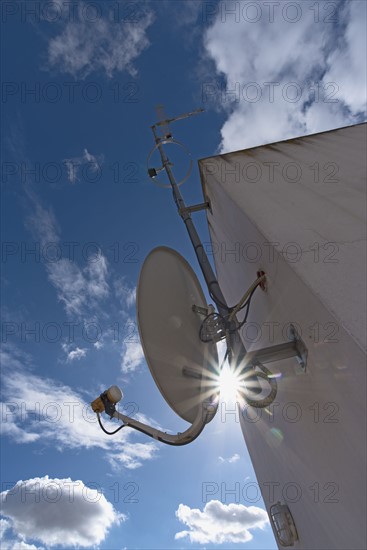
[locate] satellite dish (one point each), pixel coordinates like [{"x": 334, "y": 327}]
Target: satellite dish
[{"x": 182, "y": 365}]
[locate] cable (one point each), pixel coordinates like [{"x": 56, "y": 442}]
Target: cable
[
  {"x": 104, "y": 429},
  {"x": 248, "y": 292},
  {"x": 212, "y": 332},
  {"x": 247, "y": 310},
  {"x": 244, "y": 302},
  {"x": 215, "y": 299},
  {"x": 233, "y": 310},
  {"x": 247, "y": 305},
  {"x": 267, "y": 375},
  {"x": 204, "y": 338},
  {"x": 159, "y": 438}
]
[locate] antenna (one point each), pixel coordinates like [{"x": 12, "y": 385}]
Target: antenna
[
  {"x": 164, "y": 124},
  {"x": 164, "y": 137},
  {"x": 180, "y": 349}
]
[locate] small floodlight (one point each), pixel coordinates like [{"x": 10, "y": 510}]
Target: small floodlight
[{"x": 284, "y": 525}]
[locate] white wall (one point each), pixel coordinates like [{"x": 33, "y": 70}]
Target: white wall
[{"x": 312, "y": 449}]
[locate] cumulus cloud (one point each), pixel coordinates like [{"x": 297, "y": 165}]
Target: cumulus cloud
[
  {"x": 58, "y": 512},
  {"x": 278, "y": 79},
  {"x": 105, "y": 44},
  {"x": 11, "y": 544},
  {"x": 220, "y": 523},
  {"x": 43, "y": 410}
]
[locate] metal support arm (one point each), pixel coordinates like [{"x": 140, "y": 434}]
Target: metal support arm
[
  {"x": 203, "y": 417},
  {"x": 195, "y": 208}
]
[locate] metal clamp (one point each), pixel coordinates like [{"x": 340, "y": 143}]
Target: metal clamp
[{"x": 294, "y": 348}]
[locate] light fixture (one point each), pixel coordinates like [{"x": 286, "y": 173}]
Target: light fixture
[{"x": 285, "y": 528}]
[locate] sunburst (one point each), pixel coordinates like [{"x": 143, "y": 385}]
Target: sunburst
[{"x": 229, "y": 383}]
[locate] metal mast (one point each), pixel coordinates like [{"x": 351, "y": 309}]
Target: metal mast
[{"x": 237, "y": 353}]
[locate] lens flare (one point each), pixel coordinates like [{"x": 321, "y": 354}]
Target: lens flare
[{"x": 229, "y": 383}]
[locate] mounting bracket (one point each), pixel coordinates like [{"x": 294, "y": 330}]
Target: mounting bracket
[
  {"x": 195, "y": 208},
  {"x": 294, "y": 348}
]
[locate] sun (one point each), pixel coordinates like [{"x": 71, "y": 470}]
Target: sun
[{"x": 229, "y": 384}]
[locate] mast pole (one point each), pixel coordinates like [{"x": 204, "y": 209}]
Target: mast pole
[{"x": 185, "y": 214}]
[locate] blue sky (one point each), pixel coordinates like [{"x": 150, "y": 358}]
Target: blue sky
[{"x": 75, "y": 192}]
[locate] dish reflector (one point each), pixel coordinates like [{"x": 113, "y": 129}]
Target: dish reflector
[{"x": 183, "y": 367}]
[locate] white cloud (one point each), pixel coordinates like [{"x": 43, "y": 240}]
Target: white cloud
[
  {"x": 89, "y": 162},
  {"x": 95, "y": 274},
  {"x": 7, "y": 543},
  {"x": 220, "y": 523},
  {"x": 75, "y": 354},
  {"x": 125, "y": 292},
  {"x": 231, "y": 459},
  {"x": 132, "y": 356},
  {"x": 303, "y": 63},
  {"x": 21, "y": 545},
  {"x": 67, "y": 278},
  {"x": 58, "y": 512},
  {"x": 13, "y": 357},
  {"x": 42, "y": 222},
  {"x": 106, "y": 44},
  {"x": 132, "y": 456},
  {"x": 10, "y": 427},
  {"x": 5, "y": 525},
  {"x": 77, "y": 288},
  {"x": 347, "y": 62},
  {"x": 72, "y": 169},
  {"x": 88, "y": 157},
  {"x": 42, "y": 410},
  {"x": 18, "y": 545}
]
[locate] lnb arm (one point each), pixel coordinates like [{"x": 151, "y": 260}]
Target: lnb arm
[{"x": 107, "y": 401}]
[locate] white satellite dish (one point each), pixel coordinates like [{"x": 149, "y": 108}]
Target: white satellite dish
[{"x": 182, "y": 365}]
